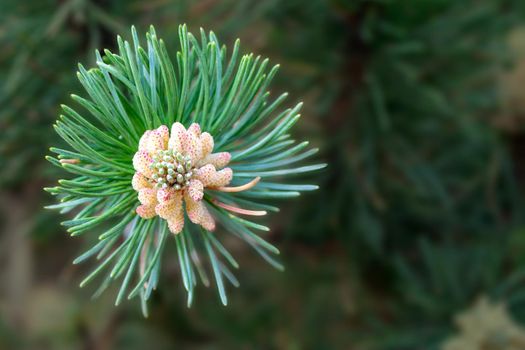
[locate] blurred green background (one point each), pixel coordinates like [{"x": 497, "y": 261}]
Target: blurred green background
[{"x": 416, "y": 239}]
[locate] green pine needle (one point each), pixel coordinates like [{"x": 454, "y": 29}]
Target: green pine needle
[{"x": 141, "y": 88}]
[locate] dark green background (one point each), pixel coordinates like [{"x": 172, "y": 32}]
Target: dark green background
[{"x": 418, "y": 107}]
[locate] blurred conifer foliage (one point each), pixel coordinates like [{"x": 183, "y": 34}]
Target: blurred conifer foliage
[{"x": 421, "y": 207}]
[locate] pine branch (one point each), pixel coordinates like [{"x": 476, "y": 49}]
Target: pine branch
[{"x": 134, "y": 96}]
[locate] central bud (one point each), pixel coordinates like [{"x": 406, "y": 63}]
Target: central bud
[{"x": 171, "y": 169}]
